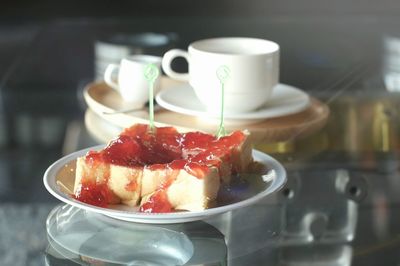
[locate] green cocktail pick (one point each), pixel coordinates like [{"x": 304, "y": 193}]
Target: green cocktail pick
[
  {"x": 223, "y": 73},
  {"x": 151, "y": 73}
]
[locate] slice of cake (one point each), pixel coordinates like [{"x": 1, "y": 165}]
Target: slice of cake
[{"x": 162, "y": 171}]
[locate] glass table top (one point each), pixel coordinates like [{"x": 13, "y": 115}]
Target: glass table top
[{"x": 340, "y": 205}]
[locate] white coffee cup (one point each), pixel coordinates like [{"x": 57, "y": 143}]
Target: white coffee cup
[
  {"x": 131, "y": 82},
  {"x": 253, "y": 65}
]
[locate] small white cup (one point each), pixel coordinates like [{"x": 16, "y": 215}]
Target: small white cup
[
  {"x": 253, "y": 65},
  {"x": 131, "y": 82}
]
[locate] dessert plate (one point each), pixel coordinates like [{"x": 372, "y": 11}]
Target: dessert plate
[
  {"x": 285, "y": 100},
  {"x": 60, "y": 176}
]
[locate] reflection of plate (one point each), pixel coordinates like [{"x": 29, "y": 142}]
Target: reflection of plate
[
  {"x": 85, "y": 236},
  {"x": 62, "y": 171},
  {"x": 285, "y": 100}
]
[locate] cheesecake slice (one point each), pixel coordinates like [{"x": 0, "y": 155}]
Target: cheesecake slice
[{"x": 161, "y": 171}]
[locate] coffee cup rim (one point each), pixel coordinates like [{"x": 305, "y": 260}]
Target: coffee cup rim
[{"x": 264, "y": 47}]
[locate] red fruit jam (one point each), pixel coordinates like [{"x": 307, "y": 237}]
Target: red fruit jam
[
  {"x": 164, "y": 148},
  {"x": 93, "y": 194},
  {"x": 157, "y": 203}
]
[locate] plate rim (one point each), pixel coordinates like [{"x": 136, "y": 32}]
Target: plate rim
[
  {"x": 254, "y": 115},
  {"x": 50, "y": 183}
]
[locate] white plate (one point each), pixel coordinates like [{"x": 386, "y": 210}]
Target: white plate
[
  {"x": 285, "y": 100},
  {"x": 273, "y": 181}
]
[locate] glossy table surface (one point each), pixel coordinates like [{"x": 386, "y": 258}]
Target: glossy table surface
[{"x": 340, "y": 205}]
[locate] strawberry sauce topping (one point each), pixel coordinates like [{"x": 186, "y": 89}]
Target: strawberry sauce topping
[
  {"x": 165, "y": 148},
  {"x": 93, "y": 194},
  {"x": 157, "y": 203},
  {"x": 136, "y": 146}
]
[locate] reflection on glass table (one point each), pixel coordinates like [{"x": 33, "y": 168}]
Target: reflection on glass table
[
  {"x": 255, "y": 235},
  {"x": 84, "y": 237},
  {"x": 329, "y": 255},
  {"x": 321, "y": 207}
]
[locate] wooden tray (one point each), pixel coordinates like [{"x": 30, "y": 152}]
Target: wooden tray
[{"x": 101, "y": 99}]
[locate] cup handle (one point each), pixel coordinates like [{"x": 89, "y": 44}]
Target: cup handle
[
  {"x": 166, "y": 64},
  {"x": 111, "y": 68}
]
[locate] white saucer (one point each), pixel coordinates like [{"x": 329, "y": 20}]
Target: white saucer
[
  {"x": 285, "y": 100},
  {"x": 63, "y": 172}
]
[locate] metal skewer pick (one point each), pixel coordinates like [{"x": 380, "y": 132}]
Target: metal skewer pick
[
  {"x": 151, "y": 73},
  {"x": 223, "y": 73}
]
